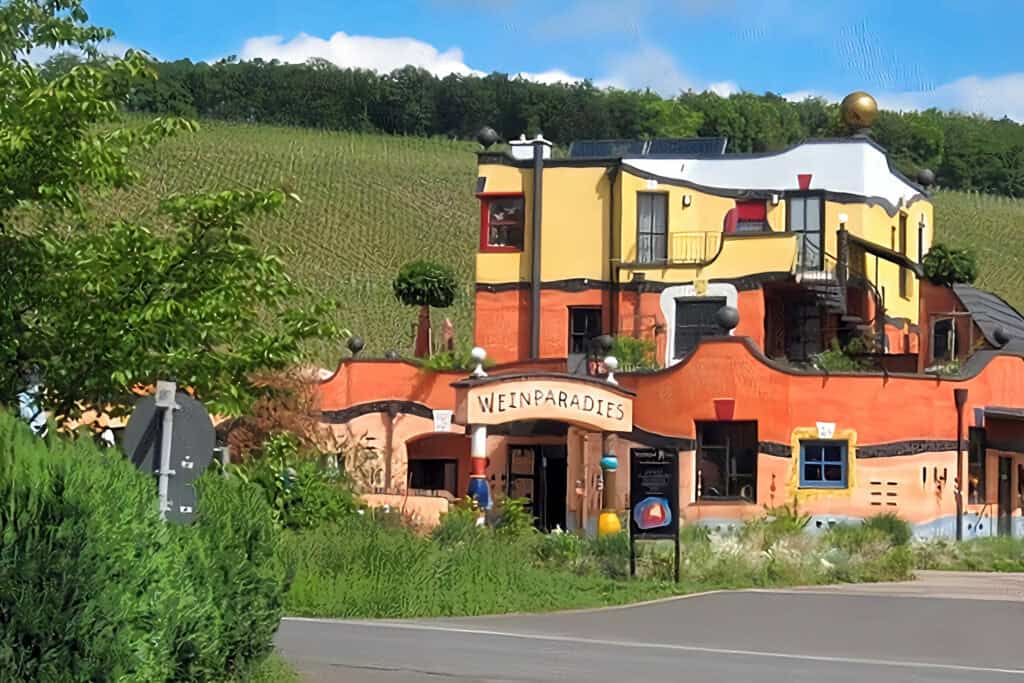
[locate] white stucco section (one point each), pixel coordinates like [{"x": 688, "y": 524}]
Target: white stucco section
[
  {"x": 857, "y": 168},
  {"x": 668, "y": 309}
]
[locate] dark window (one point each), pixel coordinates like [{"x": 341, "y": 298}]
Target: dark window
[
  {"x": 945, "y": 345},
  {"x": 823, "y": 464},
  {"x": 695, "y": 318},
  {"x": 652, "y": 227},
  {"x": 502, "y": 221},
  {"x": 903, "y": 234},
  {"x": 727, "y": 460},
  {"x": 805, "y": 217},
  {"x": 751, "y": 217},
  {"x": 976, "y": 465},
  {"x": 434, "y": 475},
  {"x": 584, "y": 325},
  {"x": 802, "y": 323}
]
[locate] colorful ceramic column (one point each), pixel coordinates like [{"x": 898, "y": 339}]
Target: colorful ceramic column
[
  {"x": 608, "y": 522},
  {"x": 478, "y": 488}
]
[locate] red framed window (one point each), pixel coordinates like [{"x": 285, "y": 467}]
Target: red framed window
[
  {"x": 502, "y": 222},
  {"x": 751, "y": 216}
]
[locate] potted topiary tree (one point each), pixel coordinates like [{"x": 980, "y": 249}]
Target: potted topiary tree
[
  {"x": 946, "y": 266},
  {"x": 427, "y": 285}
]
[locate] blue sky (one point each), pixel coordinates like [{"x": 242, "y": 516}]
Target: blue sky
[{"x": 954, "y": 54}]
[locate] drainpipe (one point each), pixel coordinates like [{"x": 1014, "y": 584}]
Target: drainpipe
[
  {"x": 960, "y": 397},
  {"x": 614, "y": 270},
  {"x": 538, "y": 185}
]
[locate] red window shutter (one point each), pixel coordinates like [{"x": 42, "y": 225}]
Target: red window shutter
[
  {"x": 729, "y": 224},
  {"x": 752, "y": 211}
]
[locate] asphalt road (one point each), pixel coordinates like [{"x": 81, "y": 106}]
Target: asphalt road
[{"x": 946, "y": 627}]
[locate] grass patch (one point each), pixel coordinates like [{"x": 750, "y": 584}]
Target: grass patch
[
  {"x": 979, "y": 555},
  {"x": 272, "y": 669},
  {"x": 362, "y": 568}
]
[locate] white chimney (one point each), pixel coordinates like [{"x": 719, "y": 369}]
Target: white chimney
[{"x": 523, "y": 148}]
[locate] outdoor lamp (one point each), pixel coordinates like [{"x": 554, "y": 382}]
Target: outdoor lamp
[
  {"x": 612, "y": 363},
  {"x": 478, "y": 355},
  {"x": 687, "y": 200}
]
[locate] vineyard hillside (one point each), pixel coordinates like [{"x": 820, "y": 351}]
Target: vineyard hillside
[{"x": 369, "y": 203}]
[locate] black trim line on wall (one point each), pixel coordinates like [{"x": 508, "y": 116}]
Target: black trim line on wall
[
  {"x": 652, "y": 439},
  {"x": 743, "y": 284},
  {"x": 393, "y": 406}
]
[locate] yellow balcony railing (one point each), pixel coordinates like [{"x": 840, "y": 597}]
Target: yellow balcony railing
[{"x": 696, "y": 248}]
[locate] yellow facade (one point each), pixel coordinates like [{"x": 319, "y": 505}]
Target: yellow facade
[{"x": 590, "y": 232}]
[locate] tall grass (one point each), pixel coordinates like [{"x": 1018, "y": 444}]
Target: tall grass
[
  {"x": 361, "y": 568},
  {"x": 984, "y": 554}
]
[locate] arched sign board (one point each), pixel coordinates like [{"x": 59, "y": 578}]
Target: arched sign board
[
  {"x": 588, "y": 403},
  {"x": 192, "y": 442}
]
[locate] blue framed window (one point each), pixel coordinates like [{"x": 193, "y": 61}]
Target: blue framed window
[{"x": 823, "y": 464}]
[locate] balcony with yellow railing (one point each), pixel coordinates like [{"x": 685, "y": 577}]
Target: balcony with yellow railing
[{"x": 694, "y": 248}]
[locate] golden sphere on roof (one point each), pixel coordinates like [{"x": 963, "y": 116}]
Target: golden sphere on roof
[{"x": 858, "y": 110}]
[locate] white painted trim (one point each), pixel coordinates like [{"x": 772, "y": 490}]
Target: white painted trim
[
  {"x": 668, "y": 309},
  {"x": 847, "y": 167}
]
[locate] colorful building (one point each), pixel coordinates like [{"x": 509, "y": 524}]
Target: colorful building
[{"x": 736, "y": 271}]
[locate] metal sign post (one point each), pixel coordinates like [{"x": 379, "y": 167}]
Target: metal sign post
[
  {"x": 175, "y": 447},
  {"x": 653, "y": 500},
  {"x": 165, "y": 392}
]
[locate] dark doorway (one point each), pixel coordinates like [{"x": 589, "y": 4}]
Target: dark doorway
[
  {"x": 538, "y": 474},
  {"x": 1005, "y": 502},
  {"x": 584, "y": 327}
]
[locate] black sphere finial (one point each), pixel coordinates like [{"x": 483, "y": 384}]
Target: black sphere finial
[
  {"x": 727, "y": 318},
  {"x": 926, "y": 177},
  {"x": 603, "y": 343},
  {"x": 1001, "y": 336},
  {"x": 391, "y": 355},
  {"x": 355, "y": 344},
  {"x": 487, "y": 136}
]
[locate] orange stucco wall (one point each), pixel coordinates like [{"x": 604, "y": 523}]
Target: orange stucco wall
[{"x": 870, "y": 410}]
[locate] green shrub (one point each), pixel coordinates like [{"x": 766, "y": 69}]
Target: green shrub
[
  {"x": 945, "y": 265},
  {"x": 425, "y": 283},
  {"x": 609, "y": 555},
  {"x": 837, "y": 359},
  {"x": 460, "y": 524},
  {"x": 93, "y": 586},
  {"x": 301, "y": 493},
  {"x": 235, "y": 553},
  {"x": 456, "y": 359},
  {"x": 514, "y": 520},
  {"x": 90, "y": 586},
  {"x": 634, "y": 354},
  {"x": 898, "y": 530}
]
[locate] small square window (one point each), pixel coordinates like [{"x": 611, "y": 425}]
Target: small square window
[
  {"x": 823, "y": 464},
  {"x": 502, "y": 221}
]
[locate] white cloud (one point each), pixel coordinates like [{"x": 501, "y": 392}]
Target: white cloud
[
  {"x": 365, "y": 52},
  {"x": 652, "y": 68},
  {"x": 995, "y": 96},
  {"x": 550, "y": 76}
]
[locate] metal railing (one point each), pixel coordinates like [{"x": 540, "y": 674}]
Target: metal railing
[{"x": 697, "y": 248}]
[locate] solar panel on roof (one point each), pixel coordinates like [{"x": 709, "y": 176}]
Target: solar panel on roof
[{"x": 587, "y": 149}]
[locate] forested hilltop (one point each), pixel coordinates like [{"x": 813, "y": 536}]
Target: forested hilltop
[{"x": 966, "y": 152}]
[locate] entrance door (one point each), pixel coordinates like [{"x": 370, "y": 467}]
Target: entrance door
[
  {"x": 584, "y": 326},
  {"x": 538, "y": 473},
  {"x": 1005, "y": 503}
]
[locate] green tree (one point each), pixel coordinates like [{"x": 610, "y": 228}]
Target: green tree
[
  {"x": 89, "y": 311},
  {"x": 427, "y": 285},
  {"x": 944, "y": 265}
]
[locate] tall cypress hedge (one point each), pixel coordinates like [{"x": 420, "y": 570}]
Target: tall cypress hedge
[{"x": 93, "y": 586}]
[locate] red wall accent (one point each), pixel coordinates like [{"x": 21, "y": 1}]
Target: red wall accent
[{"x": 804, "y": 180}]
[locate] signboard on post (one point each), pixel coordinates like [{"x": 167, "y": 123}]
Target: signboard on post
[
  {"x": 653, "y": 499},
  {"x": 171, "y": 436}
]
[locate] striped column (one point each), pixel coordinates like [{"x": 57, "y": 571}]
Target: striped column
[{"x": 478, "y": 488}]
